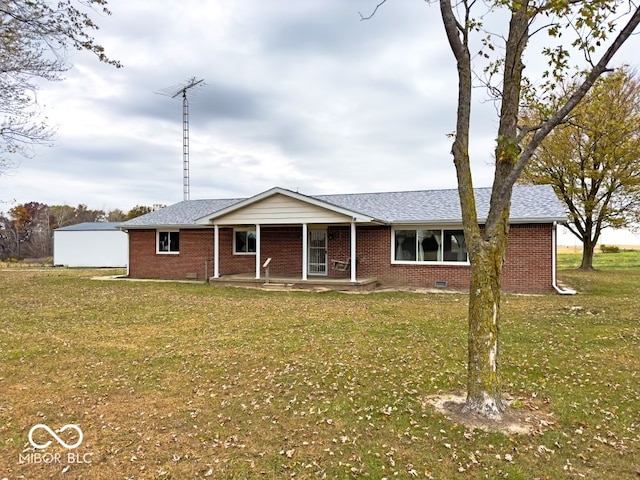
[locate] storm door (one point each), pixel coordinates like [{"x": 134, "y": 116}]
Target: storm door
[{"x": 317, "y": 252}]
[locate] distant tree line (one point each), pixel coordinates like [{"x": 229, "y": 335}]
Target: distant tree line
[{"x": 26, "y": 230}]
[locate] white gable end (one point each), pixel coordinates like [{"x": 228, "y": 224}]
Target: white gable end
[{"x": 281, "y": 209}]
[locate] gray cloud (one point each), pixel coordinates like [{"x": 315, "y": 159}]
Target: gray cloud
[{"x": 298, "y": 94}]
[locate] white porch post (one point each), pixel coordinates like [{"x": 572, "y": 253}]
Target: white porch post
[
  {"x": 353, "y": 251},
  {"x": 216, "y": 251},
  {"x": 305, "y": 251},
  {"x": 257, "y": 251}
]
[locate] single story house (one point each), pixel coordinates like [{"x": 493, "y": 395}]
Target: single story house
[
  {"x": 91, "y": 244},
  {"x": 412, "y": 238}
]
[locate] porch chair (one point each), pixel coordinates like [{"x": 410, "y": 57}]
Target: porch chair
[{"x": 341, "y": 265}]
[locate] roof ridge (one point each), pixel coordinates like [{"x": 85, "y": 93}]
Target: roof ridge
[
  {"x": 316, "y": 195},
  {"x": 395, "y": 191}
]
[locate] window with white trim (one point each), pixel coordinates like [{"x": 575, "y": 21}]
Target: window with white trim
[
  {"x": 244, "y": 242},
  {"x": 429, "y": 245},
  {"x": 168, "y": 241}
]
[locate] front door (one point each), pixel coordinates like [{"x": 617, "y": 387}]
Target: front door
[{"x": 317, "y": 252}]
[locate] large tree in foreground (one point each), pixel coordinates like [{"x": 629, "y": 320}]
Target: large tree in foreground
[
  {"x": 593, "y": 159},
  {"x": 593, "y": 27},
  {"x": 34, "y": 35},
  {"x": 592, "y": 21}
]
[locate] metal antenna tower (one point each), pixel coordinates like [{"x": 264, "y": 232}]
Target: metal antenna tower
[{"x": 173, "y": 92}]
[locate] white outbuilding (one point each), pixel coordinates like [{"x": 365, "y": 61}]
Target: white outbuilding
[{"x": 91, "y": 244}]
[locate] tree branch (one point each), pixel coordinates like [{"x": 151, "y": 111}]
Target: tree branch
[
  {"x": 458, "y": 40},
  {"x": 571, "y": 103},
  {"x": 362, "y": 17}
]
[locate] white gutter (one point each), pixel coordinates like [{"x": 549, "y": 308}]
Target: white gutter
[{"x": 554, "y": 246}]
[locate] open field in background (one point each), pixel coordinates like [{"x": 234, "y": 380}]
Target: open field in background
[
  {"x": 563, "y": 249},
  {"x": 179, "y": 381}
]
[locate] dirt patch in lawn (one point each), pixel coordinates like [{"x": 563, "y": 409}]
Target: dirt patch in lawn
[{"x": 527, "y": 419}]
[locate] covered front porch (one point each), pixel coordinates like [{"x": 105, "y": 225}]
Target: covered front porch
[{"x": 302, "y": 240}]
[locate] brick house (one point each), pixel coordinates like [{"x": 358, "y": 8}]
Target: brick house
[{"x": 398, "y": 238}]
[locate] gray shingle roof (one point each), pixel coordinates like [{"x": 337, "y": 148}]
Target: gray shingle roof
[
  {"x": 90, "y": 226},
  {"x": 529, "y": 204},
  {"x": 182, "y": 213}
]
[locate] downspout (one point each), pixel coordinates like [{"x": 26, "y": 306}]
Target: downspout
[
  {"x": 216, "y": 251},
  {"x": 258, "y": 241},
  {"x": 305, "y": 251},
  {"x": 353, "y": 251},
  {"x": 554, "y": 246},
  {"x": 128, "y": 255}
]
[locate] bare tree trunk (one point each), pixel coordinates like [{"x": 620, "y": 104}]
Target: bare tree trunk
[
  {"x": 486, "y": 250},
  {"x": 588, "y": 248},
  {"x": 589, "y": 241},
  {"x": 16, "y": 250},
  {"x": 484, "y": 384},
  {"x": 487, "y": 246}
]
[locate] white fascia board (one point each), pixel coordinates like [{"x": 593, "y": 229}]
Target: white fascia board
[
  {"x": 538, "y": 220},
  {"x": 164, "y": 227},
  {"x": 434, "y": 223},
  {"x": 481, "y": 221}
]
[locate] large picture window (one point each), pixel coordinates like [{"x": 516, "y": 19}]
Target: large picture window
[
  {"x": 429, "y": 245},
  {"x": 168, "y": 242},
  {"x": 244, "y": 241}
]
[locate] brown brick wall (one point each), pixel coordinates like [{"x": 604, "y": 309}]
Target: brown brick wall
[
  {"x": 196, "y": 246},
  {"x": 282, "y": 244},
  {"x": 527, "y": 267},
  {"x": 373, "y": 252},
  {"x": 231, "y": 264}
]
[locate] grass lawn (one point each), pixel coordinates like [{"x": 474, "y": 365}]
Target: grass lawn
[{"x": 181, "y": 381}]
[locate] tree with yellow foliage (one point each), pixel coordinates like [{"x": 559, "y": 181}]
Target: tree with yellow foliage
[{"x": 593, "y": 158}]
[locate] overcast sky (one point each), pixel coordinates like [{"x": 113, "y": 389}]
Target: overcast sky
[{"x": 298, "y": 94}]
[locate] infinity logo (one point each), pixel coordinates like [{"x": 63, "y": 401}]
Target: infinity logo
[{"x": 53, "y": 434}]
